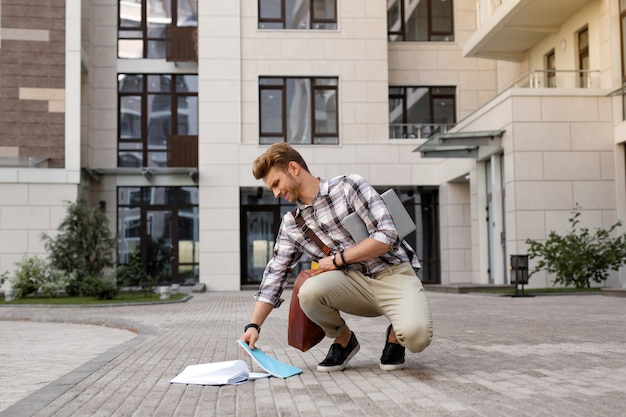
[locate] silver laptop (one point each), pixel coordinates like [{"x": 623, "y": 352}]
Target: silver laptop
[{"x": 401, "y": 218}]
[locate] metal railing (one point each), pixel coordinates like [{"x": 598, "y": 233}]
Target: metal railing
[
  {"x": 558, "y": 79},
  {"x": 417, "y": 130}
]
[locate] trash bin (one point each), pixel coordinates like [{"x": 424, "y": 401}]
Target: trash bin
[
  {"x": 519, "y": 269},
  {"x": 519, "y": 274}
]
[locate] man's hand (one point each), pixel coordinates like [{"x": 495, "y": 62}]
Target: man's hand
[
  {"x": 320, "y": 270},
  {"x": 250, "y": 337}
]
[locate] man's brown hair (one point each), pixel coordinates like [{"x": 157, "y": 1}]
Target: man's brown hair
[{"x": 278, "y": 155}]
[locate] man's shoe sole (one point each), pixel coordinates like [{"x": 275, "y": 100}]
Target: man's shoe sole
[
  {"x": 339, "y": 367},
  {"x": 391, "y": 366}
]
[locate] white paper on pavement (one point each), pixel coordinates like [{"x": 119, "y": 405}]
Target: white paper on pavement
[{"x": 217, "y": 373}]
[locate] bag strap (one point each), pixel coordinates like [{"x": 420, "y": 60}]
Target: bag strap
[{"x": 297, "y": 214}]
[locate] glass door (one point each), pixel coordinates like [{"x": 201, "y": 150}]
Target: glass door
[
  {"x": 160, "y": 226},
  {"x": 161, "y": 250},
  {"x": 258, "y": 235}
]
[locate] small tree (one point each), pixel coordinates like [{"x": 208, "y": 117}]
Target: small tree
[
  {"x": 133, "y": 274},
  {"x": 83, "y": 246},
  {"x": 579, "y": 257}
]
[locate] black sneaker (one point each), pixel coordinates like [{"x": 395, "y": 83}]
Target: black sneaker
[
  {"x": 338, "y": 356},
  {"x": 392, "y": 358}
]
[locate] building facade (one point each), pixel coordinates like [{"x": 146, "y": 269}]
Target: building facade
[{"x": 492, "y": 119}]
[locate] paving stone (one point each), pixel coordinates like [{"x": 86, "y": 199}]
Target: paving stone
[{"x": 490, "y": 356}]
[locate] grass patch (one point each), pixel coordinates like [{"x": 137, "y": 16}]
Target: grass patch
[
  {"x": 550, "y": 290},
  {"x": 119, "y": 299}
]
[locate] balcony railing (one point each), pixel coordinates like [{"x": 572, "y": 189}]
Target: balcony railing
[
  {"x": 558, "y": 79},
  {"x": 417, "y": 130}
]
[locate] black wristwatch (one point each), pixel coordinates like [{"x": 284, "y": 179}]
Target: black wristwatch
[{"x": 254, "y": 326}]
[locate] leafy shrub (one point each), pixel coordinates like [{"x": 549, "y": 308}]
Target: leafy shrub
[
  {"x": 132, "y": 274},
  {"x": 579, "y": 257},
  {"x": 100, "y": 287},
  {"x": 35, "y": 274},
  {"x": 29, "y": 274},
  {"x": 53, "y": 282},
  {"x": 83, "y": 246}
]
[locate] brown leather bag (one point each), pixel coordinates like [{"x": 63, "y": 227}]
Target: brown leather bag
[{"x": 302, "y": 333}]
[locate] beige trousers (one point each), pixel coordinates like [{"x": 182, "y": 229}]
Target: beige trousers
[{"x": 397, "y": 293}]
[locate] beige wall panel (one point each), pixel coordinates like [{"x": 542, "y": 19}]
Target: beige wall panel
[
  {"x": 50, "y": 194},
  {"x": 527, "y": 109},
  {"x": 541, "y": 136},
  {"x": 607, "y": 166},
  {"x": 595, "y": 194},
  {"x": 571, "y": 166},
  {"x": 24, "y": 218},
  {"x": 390, "y": 174},
  {"x": 552, "y": 195},
  {"x": 219, "y": 218},
  {"x": 582, "y": 109},
  {"x": 527, "y": 166},
  {"x": 13, "y": 241}
]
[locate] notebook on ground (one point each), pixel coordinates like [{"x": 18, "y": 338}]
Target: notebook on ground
[
  {"x": 217, "y": 373},
  {"x": 274, "y": 367},
  {"x": 401, "y": 218}
]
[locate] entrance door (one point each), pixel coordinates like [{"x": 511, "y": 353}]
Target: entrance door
[
  {"x": 161, "y": 247},
  {"x": 160, "y": 225},
  {"x": 259, "y": 229}
]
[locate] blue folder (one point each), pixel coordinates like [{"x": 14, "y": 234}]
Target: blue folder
[{"x": 270, "y": 365}]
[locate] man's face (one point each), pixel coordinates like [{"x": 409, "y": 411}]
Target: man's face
[{"x": 283, "y": 183}]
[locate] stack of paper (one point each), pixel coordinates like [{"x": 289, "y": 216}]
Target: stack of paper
[
  {"x": 217, "y": 373},
  {"x": 235, "y": 372}
]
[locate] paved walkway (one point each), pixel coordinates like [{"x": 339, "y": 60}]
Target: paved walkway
[{"x": 491, "y": 356}]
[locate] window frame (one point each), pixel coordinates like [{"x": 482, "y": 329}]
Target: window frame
[
  {"x": 402, "y": 32},
  {"x": 433, "y": 96},
  {"x": 550, "y": 61},
  {"x": 282, "y": 20},
  {"x": 142, "y": 29},
  {"x": 282, "y": 89},
  {"x": 142, "y": 140}
]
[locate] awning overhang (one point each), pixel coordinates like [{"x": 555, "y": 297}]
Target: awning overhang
[
  {"x": 148, "y": 173},
  {"x": 476, "y": 145}
]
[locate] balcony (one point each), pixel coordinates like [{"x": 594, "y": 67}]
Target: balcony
[
  {"x": 517, "y": 25},
  {"x": 417, "y": 130},
  {"x": 558, "y": 79}
]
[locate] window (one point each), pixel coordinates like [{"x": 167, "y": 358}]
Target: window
[
  {"x": 420, "y": 20},
  {"x": 297, "y": 14},
  {"x": 142, "y": 25},
  {"x": 298, "y": 110},
  {"x": 159, "y": 226},
  {"x": 550, "y": 69},
  {"x": 420, "y": 112},
  {"x": 156, "y": 111},
  {"x": 583, "y": 57}
]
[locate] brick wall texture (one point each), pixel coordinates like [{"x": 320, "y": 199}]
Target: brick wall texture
[{"x": 28, "y": 123}]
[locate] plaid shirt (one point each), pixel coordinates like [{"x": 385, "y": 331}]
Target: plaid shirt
[{"x": 336, "y": 199}]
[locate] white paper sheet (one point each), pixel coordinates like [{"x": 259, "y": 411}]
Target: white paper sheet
[{"x": 217, "y": 373}]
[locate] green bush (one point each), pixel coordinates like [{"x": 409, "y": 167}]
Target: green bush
[
  {"x": 29, "y": 275},
  {"x": 33, "y": 274},
  {"x": 132, "y": 274},
  {"x": 100, "y": 287},
  {"x": 578, "y": 257},
  {"x": 83, "y": 246}
]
